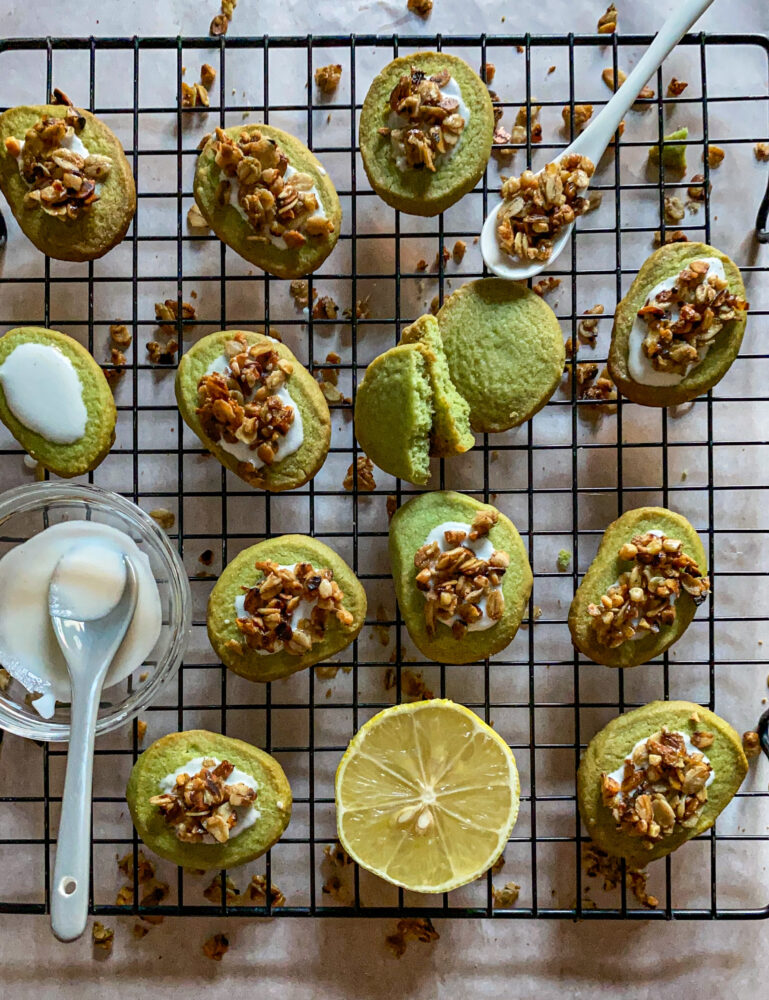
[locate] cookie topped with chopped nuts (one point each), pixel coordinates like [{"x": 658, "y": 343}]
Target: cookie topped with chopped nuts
[
  {"x": 202, "y": 800},
  {"x": 680, "y": 326},
  {"x": 255, "y": 407},
  {"x": 641, "y": 590},
  {"x": 265, "y": 195},
  {"x": 426, "y": 131},
  {"x": 655, "y": 777},
  {"x": 283, "y": 605},
  {"x": 66, "y": 179},
  {"x": 462, "y": 576}
]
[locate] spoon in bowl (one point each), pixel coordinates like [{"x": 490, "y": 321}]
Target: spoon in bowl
[
  {"x": 593, "y": 142},
  {"x": 89, "y": 630}
]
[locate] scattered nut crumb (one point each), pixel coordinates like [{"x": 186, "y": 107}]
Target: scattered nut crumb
[
  {"x": 751, "y": 744},
  {"x": 362, "y": 309},
  {"x": 587, "y": 329},
  {"x": 413, "y": 686},
  {"x": 103, "y": 937},
  {"x": 674, "y": 209},
  {"x": 143, "y": 676},
  {"x": 715, "y": 156},
  {"x": 421, "y": 7},
  {"x": 761, "y": 151},
  {"x": 195, "y": 218},
  {"x": 441, "y": 257},
  {"x": 216, "y": 947},
  {"x": 327, "y": 77},
  {"x": 362, "y": 476},
  {"x": 327, "y": 672},
  {"x": 5, "y": 679},
  {"x": 162, "y": 354},
  {"x": 421, "y": 264},
  {"x": 676, "y": 87},
  {"x": 697, "y": 191},
  {"x": 164, "y": 517},
  {"x": 255, "y": 893},
  {"x": 145, "y": 869},
  {"x": 141, "y": 729},
  {"x": 435, "y": 304},
  {"x": 506, "y": 896},
  {"x": 207, "y": 75},
  {"x": 582, "y": 115},
  {"x": 607, "y": 22},
  {"x": 392, "y": 506},
  {"x": 300, "y": 293},
  {"x": 325, "y": 308},
  {"x": 608, "y": 78},
  {"x": 600, "y": 864},
  {"x": 487, "y": 74},
  {"x": 458, "y": 251},
  {"x": 411, "y": 928},
  {"x": 550, "y": 70},
  {"x": 674, "y": 237},
  {"x": 139, "y": 931},
  {"x": 221, "y": 22},
  {"x": 545, "y": 285},
  {"x": 120, "y": 335}
]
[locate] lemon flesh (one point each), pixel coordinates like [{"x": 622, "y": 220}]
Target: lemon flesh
[{"x": 426, "y": 796}]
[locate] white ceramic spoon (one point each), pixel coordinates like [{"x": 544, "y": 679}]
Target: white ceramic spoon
[
  {"x": 593, "y": 142},
  {"x": 89, "y": 648}
]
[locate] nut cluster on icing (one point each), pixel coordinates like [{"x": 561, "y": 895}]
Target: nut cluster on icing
[{"x": 204, "y": 804}]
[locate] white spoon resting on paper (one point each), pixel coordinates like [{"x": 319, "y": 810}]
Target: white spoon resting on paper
[
  {"x": 593, "y": 142},
  {"x": 90, "y": 614}
]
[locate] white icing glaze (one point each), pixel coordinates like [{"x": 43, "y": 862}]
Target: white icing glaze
[
  {"x": 277, "y": 241},
  {"x": 246, "y": 815},
  {"x": 640, "y": 367},
  {"x": 28, "y": 647},
  {"x": 619, "y": 774},
  {"x": 396, "y": 121},
  {"x": 482, "y": 547},
  {"x": 287, "y": 443},
  {"x": 43, "y": 391},
  {"x": 302, "y": 610},
  {"x": 88, "y": 582}
]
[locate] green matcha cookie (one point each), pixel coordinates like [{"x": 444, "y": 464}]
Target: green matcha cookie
[
  {"x": 679, "y": 571},
  {"x": 270, "y": 425},
  {"x": 265, "y": 647},
  {"x": 426, "y": 130},
  {"x": 724, "y": 326},
  {"x": 505, "y": 351},
  {"x": 394, "y": 412},
  {"x": 641, "y": 825},
  {"x": 250, "y": 837},
  {"x": 485, "y": 616},
  {"x": 94, "y": 400},
  {"x": 90, "y": 207},
  {"x": 450, "y": 434},
  {"x": 265, "y": 195}
]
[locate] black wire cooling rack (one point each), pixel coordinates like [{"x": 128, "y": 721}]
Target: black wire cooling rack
[{"x": 562, "y": 477}]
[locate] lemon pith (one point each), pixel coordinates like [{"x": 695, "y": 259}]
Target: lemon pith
[{"x": 426, "y": 795}]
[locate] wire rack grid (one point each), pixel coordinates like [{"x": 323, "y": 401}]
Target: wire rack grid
[{"x": 562, "y": 477}]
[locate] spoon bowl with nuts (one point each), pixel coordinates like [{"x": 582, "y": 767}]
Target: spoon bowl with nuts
[{"x": 530, "y": 226}]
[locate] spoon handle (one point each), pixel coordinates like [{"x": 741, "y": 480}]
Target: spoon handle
[
  {"x": 71, "y": 872},
  {"x": 597, "y": 136}
]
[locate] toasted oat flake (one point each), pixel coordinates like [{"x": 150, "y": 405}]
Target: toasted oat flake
[
  {"x": 327, "y": 77},
  {"x": 270, "y": 605},
  {"x": 360, "y": 474},
  {"x": 704, "y": 305},
  {"x": 644, "y": 598},
  {"x": 204, "y": 804},
  {"x": 536, "y": 207},
  {"x": 432, "y": 123}
]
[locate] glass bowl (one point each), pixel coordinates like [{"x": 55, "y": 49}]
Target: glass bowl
[{"x": 27, "y": 510}]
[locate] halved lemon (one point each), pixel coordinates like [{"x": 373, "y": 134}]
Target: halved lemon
[{"x": 426, "y": 795}]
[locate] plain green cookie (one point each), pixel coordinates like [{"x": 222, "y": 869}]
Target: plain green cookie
[
  {"x": 606, "y": 569},
  {"x": 450, "y": 434},
  {"x": 409, "y": 527},
  {"x": 394, "y": 412},
  {"x": 273, "y": 799},
  {"x": 665, "y": 263},
  {"x": 290, "y": 472},
  {"x": 287, "y": 550},
  {"x": 505, "y": 351},
  {"x": 608, "y": 749},
  {"x": 81, "y": 456},
  {"x": 95, "y": 232},
  {"x": 422, "y": 192},
  {"x": 232, "y": 229}
]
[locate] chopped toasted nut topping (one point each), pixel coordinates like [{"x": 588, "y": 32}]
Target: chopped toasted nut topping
[
  {"x": 120, "y": 335},
  {"x": 751, "y": 744},
  {"x": 103, "y": 937},
  {"x": 62, "y": 183},
  {"x": 609, "y": 868},
  {"x": 676, "y": 87},
  {"x": 416, "y": 928},
  {"x": 662, "y": 788},
  {"x": 697, "y": 191},
  {"x": 704, "y": 305},
  {"x": 421, "y": 7},
  {"x": 456, "y": 582},
  {"x": 506, "y": 896},
  {"x": 527, "y": 121},
  {"x": 255, "y": 893},
  {"x": 216, "y": 947},
  {"x": 325, "y": 308},
  {"x": 270, "y": 605},
  {"x": 434, "y": 125},
  {"x": 241, "y": 403},
  {"x": 213, "y": 892},
  {"x": 194, "y": 95},
  {"x": 536, "y": 207},
  {"x": 300, "y": 293},
  {"x": 644, "y": 598},
  {"x": 327, "y": 77},
  {"x": 582, "y": 115},
  {"x": 202, "y": 807},
  {"x": 607, "y": 23},
  {"x": 761, "y": 151},
  {"x": 162, "y": 354},
  {"x": 587, "y": 329},
  {"x": 164, "y": 517},
  {"x": 715, "y": 156},
  {"x": 275, "y": 205},
  {"x": 545, "y": 285},
  {"x": 360, "y": 474}
]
